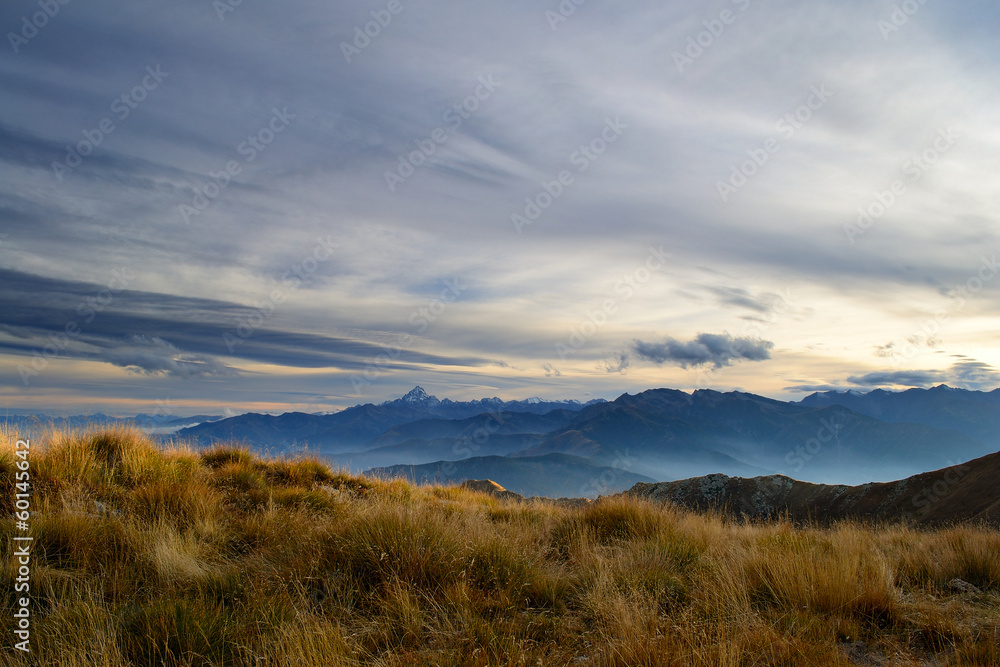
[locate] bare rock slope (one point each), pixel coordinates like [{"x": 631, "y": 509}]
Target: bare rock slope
[{"x": 960, "y": 493}]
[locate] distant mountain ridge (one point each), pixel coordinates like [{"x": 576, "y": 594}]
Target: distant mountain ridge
[
  {"x": 353, "y": 428},
  {"x": 156, "y": 423},
  {"x": 660, "y": 434},
  {"x": 427, "y": 440},
  {"x": 973, "y": 413},
  {"x": 670, "y": 434}
]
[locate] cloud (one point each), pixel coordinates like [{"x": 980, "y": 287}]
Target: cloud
[
  {"x": 130, "y": 328},
  {"x": 717, "y": 350},
  {"x": 887, "y": 350},
  {"x": 976, "y": 375},
  {"x": 810, "y": 388},
  {"x": 763, "y": 303},
  {"x": 355, "y": 121},
  {"x": 153, "y": 356},
  {"x": 551, "y": 371},
  {"x": 618, "y": 363},
  {"x": 901, "y": 378}
]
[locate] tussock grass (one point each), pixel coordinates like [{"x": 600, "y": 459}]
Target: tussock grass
[{"x": 150, "y": 555}]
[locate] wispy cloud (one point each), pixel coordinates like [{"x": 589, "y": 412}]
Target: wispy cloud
[
  {"x": 152, "y": 356},
  {"x": 730, "y": 263}
]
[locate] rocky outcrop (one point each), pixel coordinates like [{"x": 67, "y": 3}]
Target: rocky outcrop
[{"x": 490, "y": 487}]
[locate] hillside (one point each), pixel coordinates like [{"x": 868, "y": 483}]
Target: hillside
[
  {"x": 550, "y": 475},
  {"x": 965, "y": 492},
  {"x": 150, "y": 556},
  {"x": 429, "y": 440}
]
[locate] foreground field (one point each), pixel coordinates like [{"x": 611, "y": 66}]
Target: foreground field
[{"x": 148, "y": 557}]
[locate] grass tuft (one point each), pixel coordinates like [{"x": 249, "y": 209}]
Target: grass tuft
[{"x": 153, "y": 555}]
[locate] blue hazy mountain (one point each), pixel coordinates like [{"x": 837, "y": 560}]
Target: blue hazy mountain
[
  {"x": 672, "y": 435},
  {"x": 662, "y": 434},
  {"x": 974, "y": 413},
  {"x": 353, "y": 428},
  {"x": 427, "y": 440},
  {"x": 551, "y": 475},
  {"x": 155, "y": 423}
]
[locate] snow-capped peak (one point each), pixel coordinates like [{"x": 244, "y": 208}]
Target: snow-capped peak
[{"x": 418, "y": 395}]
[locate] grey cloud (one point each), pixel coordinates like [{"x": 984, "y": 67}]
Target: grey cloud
[
  {"x": 766, "y": 302},
  {"x": 717, "y": 350},
  {"x": 325, "y": 176},
  {"x": 974, "y": 375},
  {"x": 964, "y": 375},
  {"x": 810, "y": 388},
  {"x": 887, "y": 350},
  {"x": 105, "y": 166},
  {"x": 189, "y": 331},
  {"x": 618, "y": 363},
  {"x": 152, "y": 356},
  {"x": 904, "y": 378}
]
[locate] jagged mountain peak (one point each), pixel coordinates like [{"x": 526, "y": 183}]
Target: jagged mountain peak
[{"x": 417, "y": 395}]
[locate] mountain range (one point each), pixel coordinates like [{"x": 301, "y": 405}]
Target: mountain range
[
  {"x": 663, "y": 434},
  {"x": 973, "y": 413},
  {"x": 552, "y": 447},
  {"x": 155, "y": 424},
  {"x": 357, "y": 426},
  {"x": 670, "y": 434}
]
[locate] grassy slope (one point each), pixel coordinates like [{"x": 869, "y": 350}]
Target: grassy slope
[{"x": 149, "y": 557}]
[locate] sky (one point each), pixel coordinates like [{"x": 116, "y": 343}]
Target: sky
[{"x": 220, "y": 207}]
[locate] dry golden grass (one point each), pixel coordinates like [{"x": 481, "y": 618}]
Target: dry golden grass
[{"x": 165, "y": 556}]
